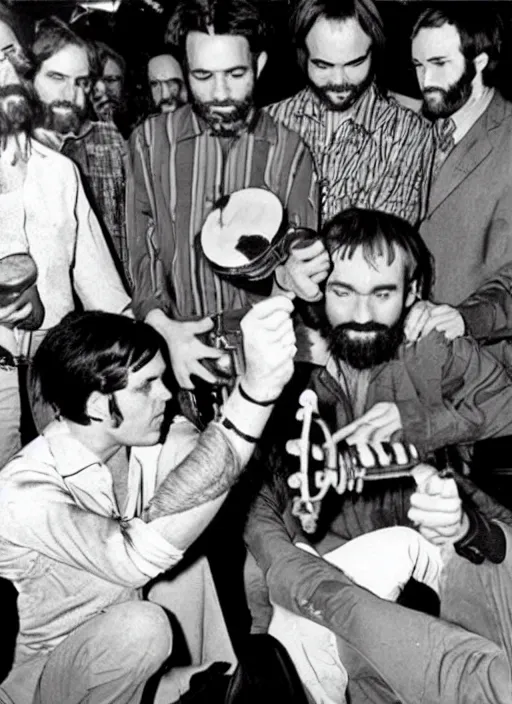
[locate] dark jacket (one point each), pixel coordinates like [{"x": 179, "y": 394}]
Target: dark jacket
[{"x": 447, "y": 393}]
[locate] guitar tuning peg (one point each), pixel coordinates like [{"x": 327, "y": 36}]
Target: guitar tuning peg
[
  {"x": 294, "y": 481},
  {"x": 317, "y": 453},
  {"x": 309, "y": 398},
  {"x": 293, "y": 447}
]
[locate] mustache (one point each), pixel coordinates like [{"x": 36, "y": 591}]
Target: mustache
[
  {"x": 66, "y": 104},
  {"x": 338, "y": 87},
  {"x": 361, "y": 327},
  {"x": 433, "y": 89},
  {"x": 223, "y": 103}
]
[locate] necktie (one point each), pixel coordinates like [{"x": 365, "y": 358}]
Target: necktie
[{"x": 443, "y": 131}]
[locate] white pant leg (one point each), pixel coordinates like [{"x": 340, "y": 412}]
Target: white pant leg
[{"x": 382, "y": 561}]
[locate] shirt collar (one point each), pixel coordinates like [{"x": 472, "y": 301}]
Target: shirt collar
[
  {"x": 469, "y": 113},
  {"x": 71, "y": 456}
]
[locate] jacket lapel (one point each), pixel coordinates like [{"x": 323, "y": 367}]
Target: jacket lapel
[{"x": 474, "y": 147}]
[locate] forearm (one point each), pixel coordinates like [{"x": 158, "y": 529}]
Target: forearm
[{"x": 216, "y": 462}]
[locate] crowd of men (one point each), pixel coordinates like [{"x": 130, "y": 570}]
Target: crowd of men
[{"x": 150, "y": 541}]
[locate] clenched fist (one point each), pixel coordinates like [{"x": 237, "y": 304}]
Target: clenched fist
[{"x": 269, "y": 347}]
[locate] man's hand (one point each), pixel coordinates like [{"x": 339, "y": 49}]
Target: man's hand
[
  {"x": 305, "y": 268},
  {"x": 12, "y": 315},
  {"x": 185, "y": 349},
  {"x": 269, "y": 347},
  {"x": 425, "y": 316},
  {"x": 436, "y": 507},
  {"x": 377, "y": 425}
]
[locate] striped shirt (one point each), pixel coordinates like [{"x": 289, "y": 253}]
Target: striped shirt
[
  {"x": 380, "y": 157},
  {"x": 178, "y": 171}
]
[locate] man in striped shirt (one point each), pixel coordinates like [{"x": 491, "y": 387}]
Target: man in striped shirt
[
  {"x": 182, "y": 163},
  {"x": 369, "y": 151}
]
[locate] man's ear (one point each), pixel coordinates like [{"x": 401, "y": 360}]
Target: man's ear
[
  {"x": 412, "y": 294},
  {"x": 97, "y": 406},
  {"x": 481, "y": 61},
  {"x": 260, "y": 62}
]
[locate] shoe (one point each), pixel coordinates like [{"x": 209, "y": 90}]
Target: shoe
[
  {"x": 208, "y": 686},
  {"x": 265, "y": 674}
]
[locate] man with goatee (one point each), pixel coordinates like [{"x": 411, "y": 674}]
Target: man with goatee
[
  {"x": 184, "y": 162},
  {"x": 370, "y": 151}
]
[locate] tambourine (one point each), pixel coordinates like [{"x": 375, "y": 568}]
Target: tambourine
[{"x": 247, "y": 236}]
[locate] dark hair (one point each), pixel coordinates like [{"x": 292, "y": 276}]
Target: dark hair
[
  {"x": 87, "y": 352},
  {"x": 235, "y": 17},
  {"x": 104, "y": 52},
  {"x": 21, "y": 25},
  {"x": 52, "y": 35},
  {"x": 479, "y": 32},
  {"x": 307, "y": 12},
  {"x": 380, "y": 234}
]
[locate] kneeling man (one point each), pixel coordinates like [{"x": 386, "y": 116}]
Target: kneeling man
[{"x": 95, "y": 508}]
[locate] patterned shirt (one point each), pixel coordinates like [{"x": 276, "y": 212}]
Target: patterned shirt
[
  {"x": 380, "y": 157},
  {"x": 100, "y": 153},
  {"x": 178, "y": 172}
]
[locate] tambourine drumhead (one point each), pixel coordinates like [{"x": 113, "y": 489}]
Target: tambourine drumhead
[{"x": 241, "y": 228}]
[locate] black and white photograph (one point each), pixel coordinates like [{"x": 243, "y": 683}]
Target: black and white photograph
[{"x": 256, "y": 351}]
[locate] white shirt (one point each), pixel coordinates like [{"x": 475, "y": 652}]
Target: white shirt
[{"x": 67, "y": 244}]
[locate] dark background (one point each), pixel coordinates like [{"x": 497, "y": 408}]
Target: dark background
[{"x": 139, "y": 25}]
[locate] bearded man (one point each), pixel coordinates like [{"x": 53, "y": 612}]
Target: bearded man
[
  {"x": 379, "y": 388},
  {"x": 468, "y": 226},
  {"x": 184, "y": 161},
  {"x": 370, "y": 151},
  {"x": 65, "y": 68},
  {"x": 45, "y": 215},
  {"x": 166, "y": 81}
]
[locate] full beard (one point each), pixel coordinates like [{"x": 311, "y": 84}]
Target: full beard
[
  {"x": 229, "y": 124},
  {"x": 63, "y": 117},
  {"x": 354, "y": 92},
  {"x": 452, "y": 98},
  {"x": 364, "y": 353}
]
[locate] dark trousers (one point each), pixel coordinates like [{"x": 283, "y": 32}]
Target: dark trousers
[{"x": 393, "y": 654}]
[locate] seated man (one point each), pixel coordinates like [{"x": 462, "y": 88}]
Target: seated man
[
  {"x": 94, "y": 508},
  {"x": 432, "y": 393}
]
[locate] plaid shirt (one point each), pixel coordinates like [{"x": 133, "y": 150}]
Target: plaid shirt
[
  {"x": 380, "y": 157},
  {"x": 99, "y": 152}
]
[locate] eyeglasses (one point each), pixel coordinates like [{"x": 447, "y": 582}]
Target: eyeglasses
[{"x": 8, "y": 52}]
